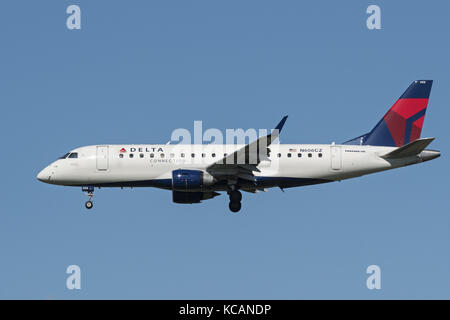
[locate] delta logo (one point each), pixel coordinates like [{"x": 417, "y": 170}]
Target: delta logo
[{"x": 148, "y": 149}]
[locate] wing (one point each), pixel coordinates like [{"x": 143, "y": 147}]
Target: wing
[{"x": 243, "y": 162}]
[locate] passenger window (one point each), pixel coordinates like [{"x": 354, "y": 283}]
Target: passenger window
[
  {"x": 152, "y": 155},
  {"x": 299, "y": 155},
  {"x": 309, "y": 155},
  {"x": 182, "y": 155},
  {"x": 141, "y": 155},
  {"x": 224, "y": 155},
  {"x": 279, "y": 155},
  {"x": 320, "y": 155},
  {"x": 213, "y": 155},
  {"x": 203, "y": 155},
  {"x": 162, "y": 155},
  {"x": 172, "y": 155},
  {"x": 73, "y": 155},
  {"x": 121, "y": 155},
  {"x": 289, "y": 155},
  {"x": 193, "y": 155},
  {"x": 131, "y": 155}
]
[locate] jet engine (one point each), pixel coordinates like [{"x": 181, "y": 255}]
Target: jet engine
[
  {"x": 192, "y": 197},
  {"x": 191, "y": 180}
]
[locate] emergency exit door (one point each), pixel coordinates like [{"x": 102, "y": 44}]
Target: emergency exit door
[
  {"x": 336, "y": 159},
  {"x": 102, "y": 158}
]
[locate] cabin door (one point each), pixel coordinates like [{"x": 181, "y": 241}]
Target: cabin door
[
  {"x": 336, "y": 159},
  {"x": 102, "y": 158}
]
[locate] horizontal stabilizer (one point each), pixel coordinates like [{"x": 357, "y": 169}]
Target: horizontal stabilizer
[{"x": 409, "y": 150}]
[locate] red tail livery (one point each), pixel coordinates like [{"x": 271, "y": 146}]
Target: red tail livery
[{"x": 403, "y": 122}]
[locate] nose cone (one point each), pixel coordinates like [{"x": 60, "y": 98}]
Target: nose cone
[
  {"x": 427, "y": 155},
  {"x": 44, "y": 175}
]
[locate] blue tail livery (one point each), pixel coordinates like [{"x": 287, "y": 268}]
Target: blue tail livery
[{"x": 403, "y": 123}]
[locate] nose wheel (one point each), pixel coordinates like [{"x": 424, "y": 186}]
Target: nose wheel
[
  {"x": 90, "y": 192},
  {"x": 235, "y": 200},
  {"x": 89, "y": 204}
]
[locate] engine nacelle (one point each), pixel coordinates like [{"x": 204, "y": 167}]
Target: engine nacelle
[
  {"x": 191, "y": 197},
  {"x": 191, "y": 180}
]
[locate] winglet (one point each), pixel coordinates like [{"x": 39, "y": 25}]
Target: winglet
[{"x": 281, "y": 124}]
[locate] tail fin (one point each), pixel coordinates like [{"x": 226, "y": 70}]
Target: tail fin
[{"x": 403, "y": 122}]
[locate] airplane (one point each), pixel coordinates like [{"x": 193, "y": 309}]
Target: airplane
[{"x": 199, "y": 172}]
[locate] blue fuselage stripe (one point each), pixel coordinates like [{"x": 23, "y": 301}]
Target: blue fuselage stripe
[{"x": 261, "y": 182}]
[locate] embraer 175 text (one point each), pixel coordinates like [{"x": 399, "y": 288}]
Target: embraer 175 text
[{"x": 197, "y": 172}]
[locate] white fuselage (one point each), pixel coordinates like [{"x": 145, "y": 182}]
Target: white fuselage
[{"x": 152, "y": 165}]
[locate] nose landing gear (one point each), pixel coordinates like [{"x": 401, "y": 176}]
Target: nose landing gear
[
  {"x": 88, "y": 204},
  {"x": 90, "y": 192}
]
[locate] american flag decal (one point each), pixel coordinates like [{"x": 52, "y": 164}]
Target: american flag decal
[{"x": 292, "y": 150}]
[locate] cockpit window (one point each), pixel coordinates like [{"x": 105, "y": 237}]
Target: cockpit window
[
  {"x": 73, "y": 155},
  {"x": 64, "y": 156}
]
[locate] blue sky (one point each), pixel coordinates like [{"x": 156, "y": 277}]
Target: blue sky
[{"x": 137, "y": 70}]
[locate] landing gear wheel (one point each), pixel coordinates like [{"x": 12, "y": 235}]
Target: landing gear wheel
[
  {"x": 90, "y": 192},
  {"x": 89, "y": 204},
  {"x": 235, "y": 196},
  {"x": 234, "y": 206}
]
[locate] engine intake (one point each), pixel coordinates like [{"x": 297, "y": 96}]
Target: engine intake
[{"x": 190, "y": 180}]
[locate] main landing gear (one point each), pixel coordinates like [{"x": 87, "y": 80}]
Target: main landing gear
[
  {"x": 90, "y": 192},
  {"x": 235, "y": 200}
]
